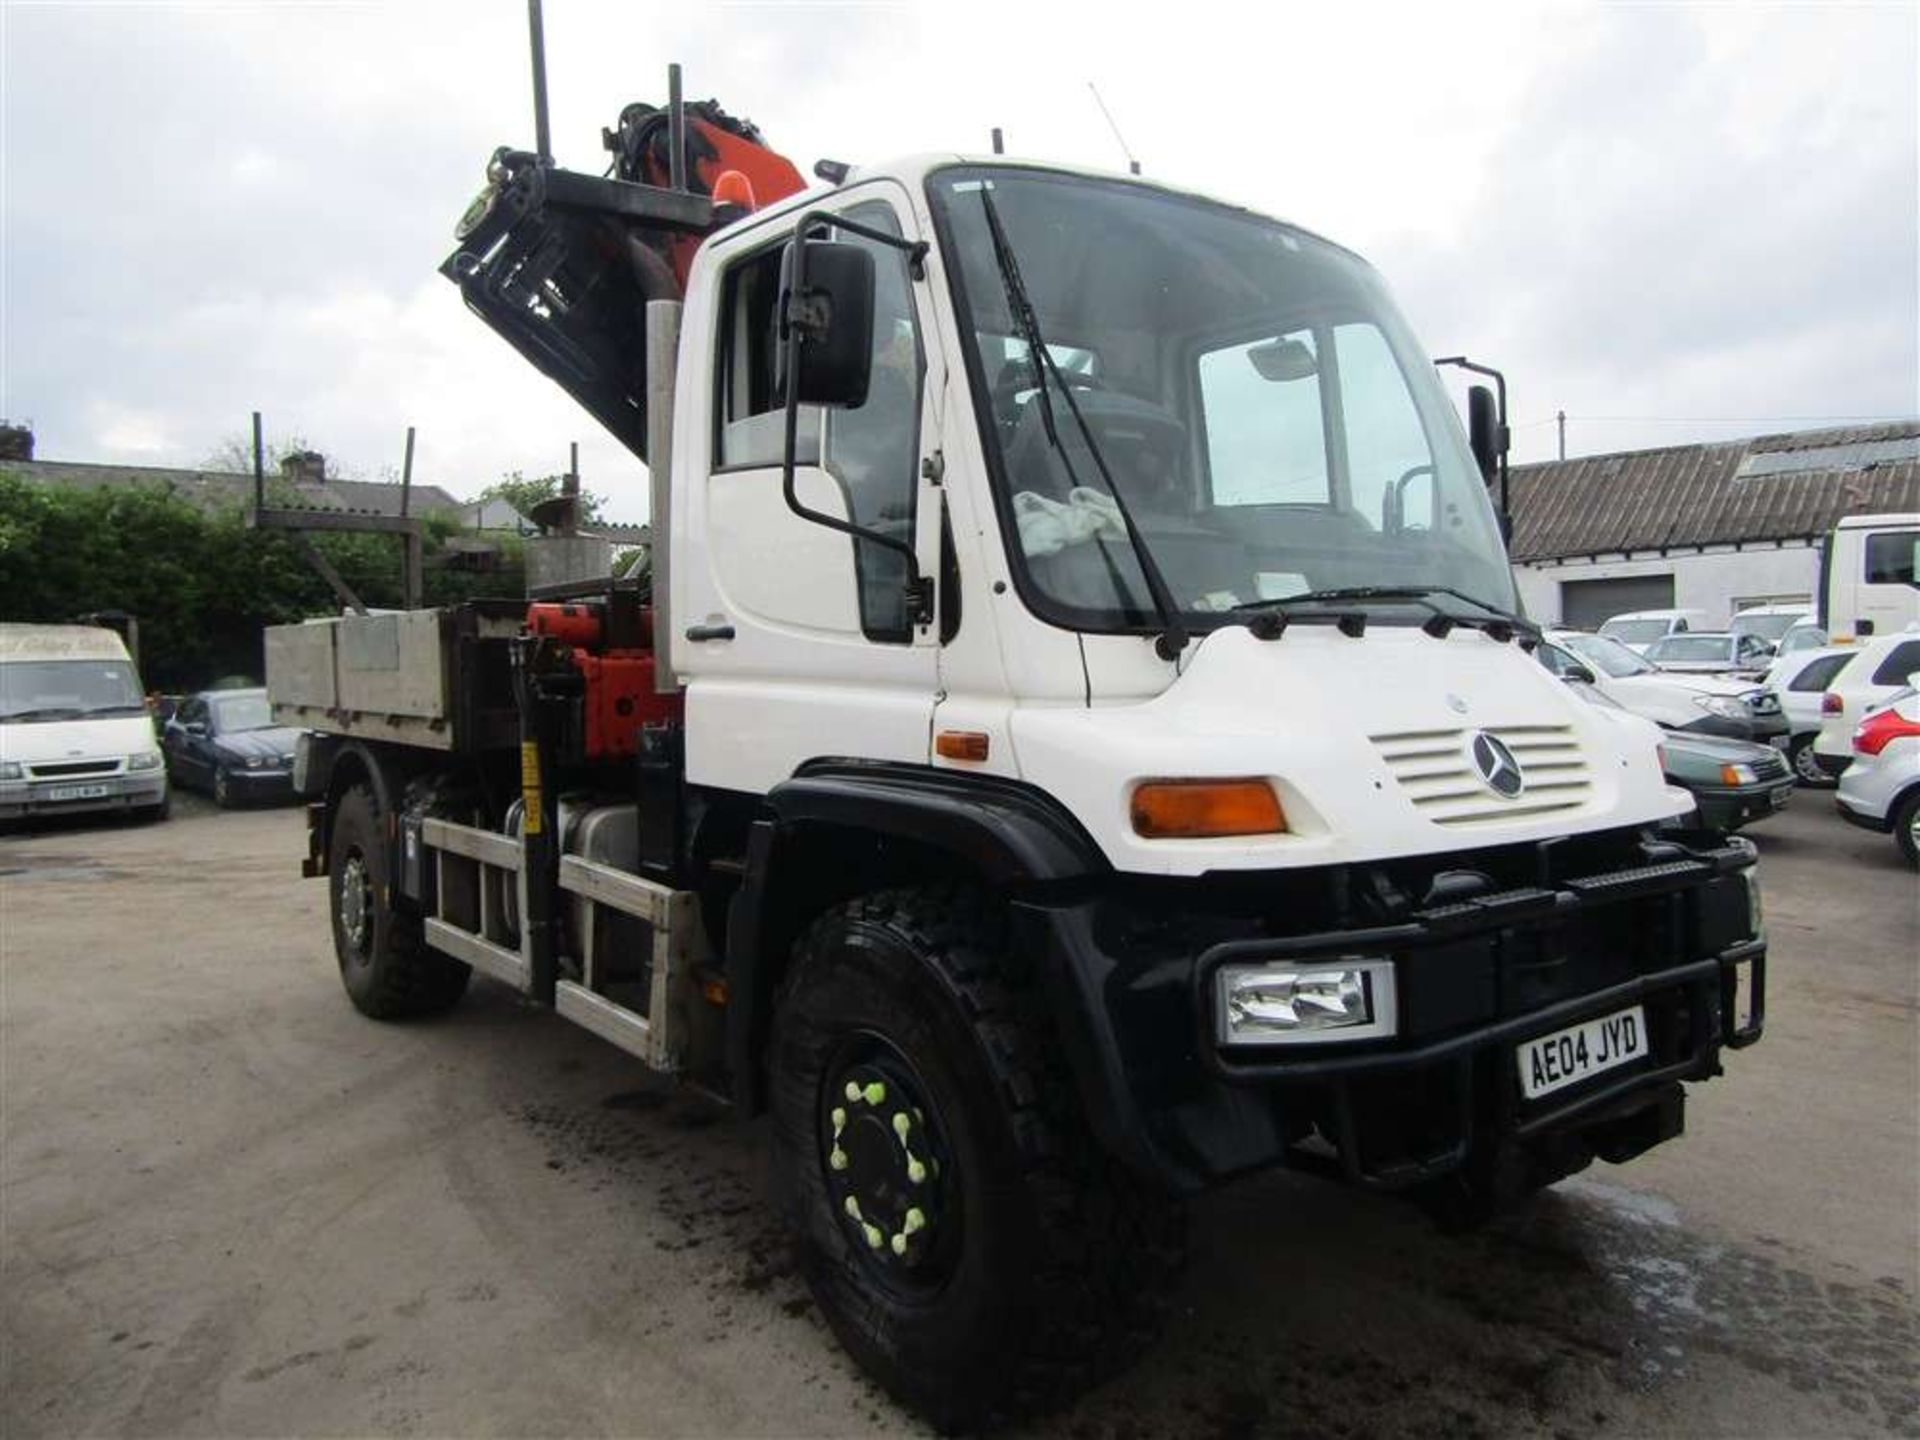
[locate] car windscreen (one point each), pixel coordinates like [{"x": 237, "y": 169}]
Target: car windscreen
[
  {"x": 1717, "y": 648},
  {"x": 241, "y": 712},
  {"x": 1609, "y": 655},
  {"x": 1766, "y": 626},
  {"x": 68, "y": 689},
  {"x": 1635, "y": 632}
]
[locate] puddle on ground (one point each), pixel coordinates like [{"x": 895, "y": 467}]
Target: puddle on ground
[{"x": 54, "y": 867}]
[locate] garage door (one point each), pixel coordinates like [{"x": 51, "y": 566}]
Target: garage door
[{"x": 1586, "y": 604}]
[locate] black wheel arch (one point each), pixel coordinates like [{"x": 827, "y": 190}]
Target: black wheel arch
[
  {"x": 336, "y": 765},
  {"x": 842, "y": 828}
]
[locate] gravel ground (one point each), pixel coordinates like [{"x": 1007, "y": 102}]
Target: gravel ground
[{"x": 230, "y": 1206}]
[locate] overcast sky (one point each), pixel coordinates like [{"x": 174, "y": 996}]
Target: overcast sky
[{"x": 1675, "y": 222}]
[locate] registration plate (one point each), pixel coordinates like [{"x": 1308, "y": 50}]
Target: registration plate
[
  {"x": 1780, "y": 741},
  {"x": 79, "y": 792},
  {"x": 1780, "y": 797},
  {"x": 1569, "y": 1056}
]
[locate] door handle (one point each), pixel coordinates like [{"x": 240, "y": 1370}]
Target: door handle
[{"x": 709, "y": 632}]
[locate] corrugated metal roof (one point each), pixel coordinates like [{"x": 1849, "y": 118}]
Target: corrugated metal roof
[
  {"x": 216, "y": 490},
  {"x": 1687, "y": 495}
]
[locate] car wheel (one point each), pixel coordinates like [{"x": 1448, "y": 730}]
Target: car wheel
[
  {"x": 222, "y": 788},
  {"x": 1906, "y": 827},
  {"x": 967, "y": 1241},
  {"x": 386, "y": 965},
  {"x": 1806, "y": 764}
]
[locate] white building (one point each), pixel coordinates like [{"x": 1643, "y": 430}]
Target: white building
[{"x": 1702, "y": 527}]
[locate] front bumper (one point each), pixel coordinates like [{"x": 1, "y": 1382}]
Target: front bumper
[
  {"x": 1730, "y": 807},
  {"x": 261, "y": 784},
  {"x": 141, "y": 790},
  {"x": 1475, "y": 979}
]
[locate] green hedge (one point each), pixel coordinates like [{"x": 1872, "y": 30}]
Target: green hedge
[{"x": 202, "y": 586}]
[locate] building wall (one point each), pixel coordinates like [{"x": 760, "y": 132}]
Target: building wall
[{"x": 1709, "y": 581}]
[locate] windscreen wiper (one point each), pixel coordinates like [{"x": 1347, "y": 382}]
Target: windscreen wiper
[
  {"x": 1173, "y": 636},
  {"x": 45, "y": 712},
  {"x": 1500, "y": 624}
]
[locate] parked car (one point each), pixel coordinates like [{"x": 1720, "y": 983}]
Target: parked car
[
  {"x": 1807, "y": 635},
  {"x": 1799, "y": 682},
  {"x": 74, "y": 730},
  {"x": 1712, "y": 652},
  {"x": 1638, "y": 629},
  {"x": 1703, "y": 704},
  {"x": 225, "y": 742},
  {"x": 1733, "y": 782},
  {"x": 1770, "y": 622},
  {"x": 1882, "y": 667},
  {"x": 1881, "y": 789}
]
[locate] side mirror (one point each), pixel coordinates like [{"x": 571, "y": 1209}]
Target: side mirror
[
  {"x": 1483, "y": 431},
  {"x": 830, "y": 309},
  {"x": 1580, "y": 675}
]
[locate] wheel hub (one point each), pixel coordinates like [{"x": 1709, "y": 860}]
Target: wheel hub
[
  {"x": 355, "y": 901},
  {"x": 884, "y": 1163}
]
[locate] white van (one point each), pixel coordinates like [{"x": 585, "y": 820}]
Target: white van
[
  {"x": 74, "y": 730},
  {"x": 1868, "y": 581},
  {"x": 1637, "y": 629}
]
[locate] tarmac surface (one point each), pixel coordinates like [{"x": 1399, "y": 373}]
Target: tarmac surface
[{"x": 231, "y": 1206}]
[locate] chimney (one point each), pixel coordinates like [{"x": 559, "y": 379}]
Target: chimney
[
  {"x": 16, "y": 441},
  {"x": 304, "y": 467}
]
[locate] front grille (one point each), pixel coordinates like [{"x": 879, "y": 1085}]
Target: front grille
[
  {"x": 1436, "y": 773},
  {"x": 1770, "y": 766},
  {"x": 74, "y": 767}
]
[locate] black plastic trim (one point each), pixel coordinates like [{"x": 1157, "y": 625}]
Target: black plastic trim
[{"x": 1011, "y": 832}]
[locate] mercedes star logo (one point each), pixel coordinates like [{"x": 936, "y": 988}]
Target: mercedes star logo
[{"x": 1496, "y": 765}]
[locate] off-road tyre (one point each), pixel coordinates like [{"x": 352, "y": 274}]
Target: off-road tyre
[
  {"x": 1806, "y": 768},
  {"x": 1906, "y": 815},
  {"x": 1055, "y": 1271},
  {"x": 385, "y": 963}
]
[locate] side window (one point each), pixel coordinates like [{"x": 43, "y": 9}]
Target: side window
[
  {"x": 1818, "y": 674},
  {"x": 1901, "y": 662},
  {"x": 751, "y": 419},
  {"x": 873, "y": 450},
  {"x": 1557, "y": 661},
  {"x": 1266, "y": 441},
  {"x": 1890, "y": 557}
]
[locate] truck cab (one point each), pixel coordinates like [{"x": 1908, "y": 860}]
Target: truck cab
[{"x": 1076, "y": 746}]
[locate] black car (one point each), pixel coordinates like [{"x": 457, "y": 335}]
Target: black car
[{"x": 225, "y": 742}]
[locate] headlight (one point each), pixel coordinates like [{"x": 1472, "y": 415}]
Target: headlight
[
  {"x": 10, "y": 770},
  {"x": 1737, "y": 775},
  {"x": 1723, "y": 705},
  {"x": 256, "y": 762},
  {"x": 1280, "y": 1004},
  {"x": 146, "y": 760}
]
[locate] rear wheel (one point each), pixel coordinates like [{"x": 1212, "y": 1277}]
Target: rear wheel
[
  {"x": 385, "y": 963},
  {"x": 969, "y": 1244},
  {"x": 1906, "y": 827},
  {"x": 1806, "y": 764}
]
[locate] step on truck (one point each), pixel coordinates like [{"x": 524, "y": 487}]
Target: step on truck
[{"x": 1075, "y": 745}]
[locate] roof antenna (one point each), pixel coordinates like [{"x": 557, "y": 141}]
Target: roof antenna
[
  {"x": 1133, "y": 165},
  {"x": 537, "y": 41}
]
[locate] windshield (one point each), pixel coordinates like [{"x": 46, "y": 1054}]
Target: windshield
[
  {"x": 1269, "y": 421},
  {"x": 1608, "y": 655},
  {"x": 68, "y": 689},
  {"x": 243, "y": 710},
  {"x": 1767, "y": 627},
  {"x": 1692, "y": 647},
  {"x": 1636, "y": 632}
]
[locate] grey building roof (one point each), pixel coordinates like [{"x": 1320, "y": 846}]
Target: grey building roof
[
  {"x": 217, "y": 490},
  {"x": 1771, "y": 488}
]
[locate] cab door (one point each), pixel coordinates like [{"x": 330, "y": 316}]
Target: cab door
[{"x": 797, "y": 642}]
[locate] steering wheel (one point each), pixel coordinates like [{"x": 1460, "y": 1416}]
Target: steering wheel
[{"x": 1017, "y": 375}]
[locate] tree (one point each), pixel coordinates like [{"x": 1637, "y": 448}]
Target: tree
[{"x": 523, "y": 494}]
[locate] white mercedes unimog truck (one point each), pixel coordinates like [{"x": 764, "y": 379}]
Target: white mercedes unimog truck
[{"x": 1076, "y": 746}]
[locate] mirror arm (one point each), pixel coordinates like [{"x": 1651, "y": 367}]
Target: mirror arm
[{"x": 919, "y": 588}]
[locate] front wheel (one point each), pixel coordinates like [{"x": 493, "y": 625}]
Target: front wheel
[
  {"x": 222, "y": 789},
  {"x": 385, "y": 963},
  {"x": 1806, "y": 764},
  {"x": 1906, "y": 827},
  {"x": 971, "y": 1247}
]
